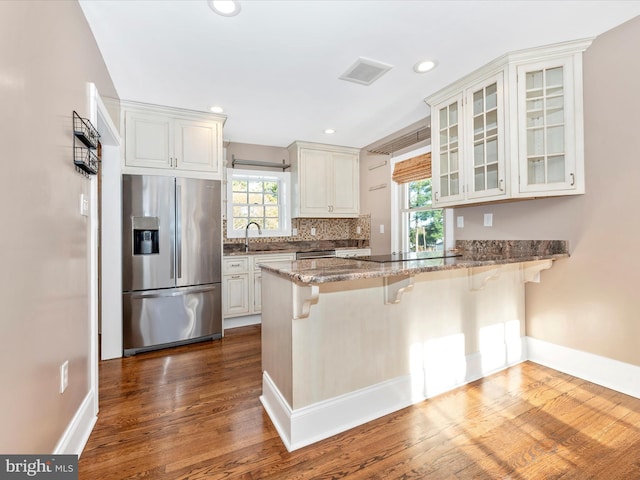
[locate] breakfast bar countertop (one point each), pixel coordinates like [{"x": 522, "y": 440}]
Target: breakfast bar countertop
[{"x": 475, "y": 254}]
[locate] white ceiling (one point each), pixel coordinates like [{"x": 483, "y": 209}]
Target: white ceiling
[{"x": 275, "y": 66}]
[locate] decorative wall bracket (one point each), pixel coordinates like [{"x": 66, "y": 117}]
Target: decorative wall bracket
[
  {"x": 394, "y": 287},
  {"x": 303, "y": 298},
  {"x": 478, "y": 277},
  {"x": 531, "y": 270}
]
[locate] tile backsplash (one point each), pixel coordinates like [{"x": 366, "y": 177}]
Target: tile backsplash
[{"x": 325, "y": 229}]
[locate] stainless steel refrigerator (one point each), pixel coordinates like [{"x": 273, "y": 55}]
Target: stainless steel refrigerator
[{"x": 172, "y": 255}]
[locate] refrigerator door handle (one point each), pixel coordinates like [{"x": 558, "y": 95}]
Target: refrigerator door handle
[{"x": 178, "y": 230}]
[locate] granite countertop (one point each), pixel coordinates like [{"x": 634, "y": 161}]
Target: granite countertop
[{"x": 324, "y": 270}]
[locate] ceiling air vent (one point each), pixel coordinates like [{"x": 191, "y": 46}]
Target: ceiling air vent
[
  {"x": 404, "y": 141},
  {"x": 365, "y": 71}
]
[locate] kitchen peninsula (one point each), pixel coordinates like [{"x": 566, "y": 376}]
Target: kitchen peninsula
[{"x": 345, "y": 341}]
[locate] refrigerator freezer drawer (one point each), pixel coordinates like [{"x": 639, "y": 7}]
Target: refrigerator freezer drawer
[{"x": 155, "y": 319}]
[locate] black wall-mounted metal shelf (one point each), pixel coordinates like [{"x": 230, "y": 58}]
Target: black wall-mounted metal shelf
[
  {"x": 258, "y": 163},
  {"x": 84, "y": 156}
]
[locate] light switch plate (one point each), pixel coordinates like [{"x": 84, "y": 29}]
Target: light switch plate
[
  {"x": 460, "y": 221},
  {"x": 84, "y": 205},
  {"x": 382, "y": 228},
  {"x": 488, "y": 219}
]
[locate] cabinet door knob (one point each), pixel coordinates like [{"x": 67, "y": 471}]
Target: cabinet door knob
[
  {"x": 573, "y": 179},
  {"x": 501, "y": 185}
]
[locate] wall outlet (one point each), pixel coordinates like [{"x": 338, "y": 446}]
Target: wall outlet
[
  {"x": 313, "y": 231},
  {"x": 294, "y": 232},
  {"x": 358, "y": 230},
  {"x": 460, "y": 221},
  {"x": 488, "y": 219},
  {"x": 64, "y": 376},
  {"x": 382, "y": 228}
]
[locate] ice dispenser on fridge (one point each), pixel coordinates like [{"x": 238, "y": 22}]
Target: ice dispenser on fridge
[{"x": 145, "y": 235}]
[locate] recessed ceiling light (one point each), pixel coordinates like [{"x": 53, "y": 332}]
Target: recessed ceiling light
[
  {"x": 329, "y": 131},
  {"x": 217, "y": 109},
  {"x": 425, "y": 66},
  {"x": 226, "y": 8}
]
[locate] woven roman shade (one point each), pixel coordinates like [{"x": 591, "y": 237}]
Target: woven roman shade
[{"x": 413, "y": 169}]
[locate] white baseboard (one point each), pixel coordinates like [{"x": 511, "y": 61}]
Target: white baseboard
[
  {"x": 613, "y": 374},
  {"x": 310, "y": 424},
  {"x": 324, "y": 419},
  {"x": 77, "y": 433},
  {"x": 244, "y": 321}
]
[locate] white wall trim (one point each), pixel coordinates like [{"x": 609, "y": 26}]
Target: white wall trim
[
  {"x": 77, "y": 433},
  {"x": 619, "y": 376},
  {"x": 243, "y": 321},
  {"x": 304, "y": 426},
  {"x": 111, "y": 327}
]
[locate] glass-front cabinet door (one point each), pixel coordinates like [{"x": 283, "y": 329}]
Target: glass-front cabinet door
[
  {"x": 485, "y": 143},
  {"x": 447, "y": 171},
  {"x": 546, "y": 127}
]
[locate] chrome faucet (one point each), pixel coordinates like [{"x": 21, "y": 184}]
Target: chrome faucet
[{"x": 246, "y": 234}]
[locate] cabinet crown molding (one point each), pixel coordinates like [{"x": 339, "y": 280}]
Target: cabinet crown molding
[
  {"x": 322, "y": 146},
  {"x": 514, "y": 58},
  {"x": 131, "y": 105}
]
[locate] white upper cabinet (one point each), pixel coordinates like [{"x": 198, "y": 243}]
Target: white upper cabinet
[
  {"x": 172, "y": 140},
  {"x": 512, "y": 129},
  {"x": 325, "y": 180},
  {"x": 550, "y": 127},
  {"x": 447, "y": 172},
  {"x": 468, "y": 144},
  {"x": 486, "y": 140}
]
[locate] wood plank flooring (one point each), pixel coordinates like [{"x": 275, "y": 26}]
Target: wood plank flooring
[{"x": 193, "y": 413}]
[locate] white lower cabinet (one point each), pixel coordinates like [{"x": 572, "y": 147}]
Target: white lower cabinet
[
  {"x": 236, "y": 294},
  {"x": 241, "y": 282},
  {"x": 235, "y": 286}
]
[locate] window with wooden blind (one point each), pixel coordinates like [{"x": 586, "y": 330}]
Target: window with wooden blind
[
  {"x": 421, "y": 228},
  {"x": 412, "y": 169}
]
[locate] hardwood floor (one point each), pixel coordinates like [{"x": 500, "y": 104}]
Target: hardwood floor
[{"x": 193, "y": 413}]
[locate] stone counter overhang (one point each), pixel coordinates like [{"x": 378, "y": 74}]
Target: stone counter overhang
[{"x": 324, "y": 270}]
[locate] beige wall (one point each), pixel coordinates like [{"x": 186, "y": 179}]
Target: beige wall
[
  {"x": 47, "y": 56},
  {"x": 590, "y": 301},
  {"x": 377, "y": 202},
  {"x": 262, "y": 153}
]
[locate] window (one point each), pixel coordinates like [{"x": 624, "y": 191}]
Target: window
[
  {"x": 422, "y": 228},
  {"x": 261, "y": 197},
  {"x": 416, "y": 226}
]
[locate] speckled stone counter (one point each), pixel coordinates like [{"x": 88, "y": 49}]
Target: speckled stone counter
[{"x": 474, "y": 254}]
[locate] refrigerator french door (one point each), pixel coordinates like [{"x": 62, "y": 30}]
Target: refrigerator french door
[{"x": 171, "y": 239}]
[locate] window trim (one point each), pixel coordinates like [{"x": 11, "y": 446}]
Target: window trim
[{"x": 284, "y": 201}]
